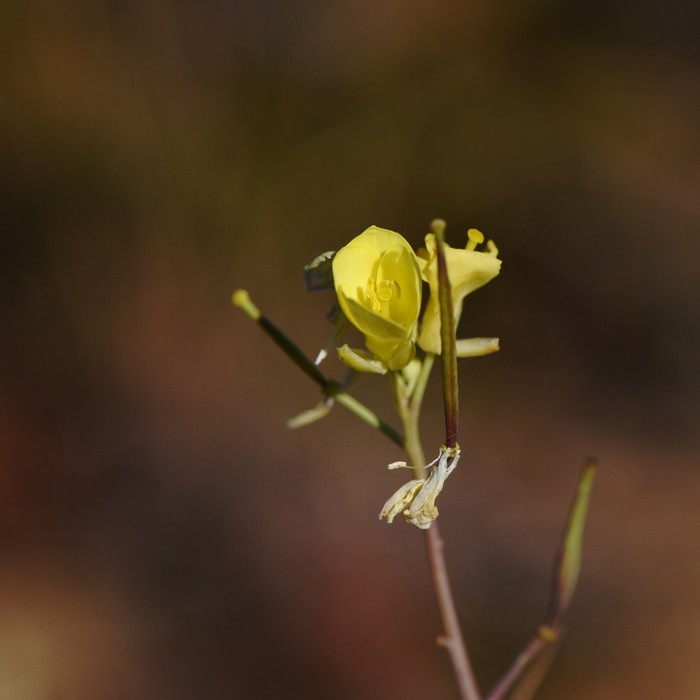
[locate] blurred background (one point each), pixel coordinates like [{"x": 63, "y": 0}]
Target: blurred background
[{"x": 163, "y": 535}]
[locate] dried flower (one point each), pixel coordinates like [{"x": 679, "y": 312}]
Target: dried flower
[{"x": 415, "y": 500}]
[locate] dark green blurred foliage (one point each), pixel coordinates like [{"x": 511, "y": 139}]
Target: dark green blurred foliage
[{"x": 163, "y": 535}]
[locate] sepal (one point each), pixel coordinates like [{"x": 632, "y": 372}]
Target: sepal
[
  {"x": 321, "y": 410},
  {"x": 360, "y": 361},
  {"x": 318, "y": 274},
  {"x": 476, "y": 347}
]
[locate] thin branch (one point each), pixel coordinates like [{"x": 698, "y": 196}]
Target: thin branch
[
  {"x": 422, "y": 382},
  {"x": 567, "y": 564},
  {"x": 331, "y": 388},
  {"x": 242, "y": 300},
  {"x": 452, "y": 640}
]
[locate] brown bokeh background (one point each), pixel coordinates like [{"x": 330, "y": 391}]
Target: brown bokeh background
[{"x": 162, "y": 534}]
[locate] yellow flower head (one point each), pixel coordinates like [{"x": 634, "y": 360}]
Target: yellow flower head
[
  {"x": 378, "y": 283},
  {"x": 468, "y": 269}
]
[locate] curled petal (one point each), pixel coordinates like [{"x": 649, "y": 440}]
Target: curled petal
[
  {"x": 400, "y": 501},
  {"x": 468, "y": 269}
]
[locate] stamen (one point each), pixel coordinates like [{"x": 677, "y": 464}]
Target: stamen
[
  {"x": 387, "y": 288},
  {"x": 475, "y": 237},
  {"x": 378, "y": 294},
  {"x": 371, "y": 294}
]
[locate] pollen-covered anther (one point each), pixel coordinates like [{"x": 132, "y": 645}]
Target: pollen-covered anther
[
  {"x": 371, "y": 294},
  {"x": 387, "y": 288},
  {"x": 380, "y": 293},
  {"x": 475, "y": 237}
]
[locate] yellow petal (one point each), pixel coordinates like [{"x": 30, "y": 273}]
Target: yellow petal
[
  {"x": 394, "y": 354},
  {"x": 378, "y": 283},
  {"x": 467, "y": 270},
  {"x": 398, "y": 265},
  {"x": 367, "y": 321}
]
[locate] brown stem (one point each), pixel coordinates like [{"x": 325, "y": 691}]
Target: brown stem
[
  {"x": 565, "y": 571},
  {"x": 450, "y": 387},
  {"x": 452, "y": 640},
  {"x": 520, "y": 667}
]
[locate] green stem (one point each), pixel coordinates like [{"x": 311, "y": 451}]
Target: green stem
[
  {"x": 329, "y": 387},
  {"x": 422, "y": 382},
  {"x": 361, "y": 411},
  {"x": 408, "y": 408}
]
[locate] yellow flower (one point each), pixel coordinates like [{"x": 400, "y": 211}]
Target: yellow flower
[
  {"x": 468, "y": 269},
  {"x": 378, "y": 283}
]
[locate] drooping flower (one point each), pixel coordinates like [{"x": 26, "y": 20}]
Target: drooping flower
[
  {"x": 378, "y": 283},
  {"x": 467, "y": 269},
  {"x": 415, "y": 500}
]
